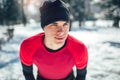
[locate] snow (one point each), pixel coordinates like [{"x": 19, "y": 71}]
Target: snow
[{"x": 103, "y": 46}]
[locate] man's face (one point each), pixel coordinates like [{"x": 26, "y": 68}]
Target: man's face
[{"x": 56, "y": 32}]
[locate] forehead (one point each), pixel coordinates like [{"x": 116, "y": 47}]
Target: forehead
[{"x": 59, "y": 22}]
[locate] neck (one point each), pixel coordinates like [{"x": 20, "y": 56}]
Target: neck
[
  {"x": 55, "y": 50},
  {"x": 53, "y": 46}
]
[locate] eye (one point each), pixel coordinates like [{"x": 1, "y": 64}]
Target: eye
[
  {"x": 53, "y": 25},
  {"x": 66, "y": 24}
]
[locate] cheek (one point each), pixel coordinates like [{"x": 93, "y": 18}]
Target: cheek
[
  {"x": 49, "y": 32},
  {"x": 67, "y": 30}
]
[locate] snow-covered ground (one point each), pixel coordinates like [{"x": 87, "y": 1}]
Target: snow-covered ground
[{"x": 103, "y": 46}]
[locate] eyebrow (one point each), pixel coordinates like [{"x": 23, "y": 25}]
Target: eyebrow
[{"x": 54, "y": 23}]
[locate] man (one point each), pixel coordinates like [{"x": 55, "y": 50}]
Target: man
[{"x": 54, "y": 51}]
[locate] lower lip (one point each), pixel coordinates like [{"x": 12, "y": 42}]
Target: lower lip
[{"x": 59, "y": 38}]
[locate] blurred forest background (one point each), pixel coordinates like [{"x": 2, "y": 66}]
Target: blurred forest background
[
  {"x": 95, "y": 22},
  {"x": 14, "y": 12}
]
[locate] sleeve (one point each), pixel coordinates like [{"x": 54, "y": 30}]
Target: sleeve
[
  {"x": 28, "y": 72},
  {"x": 81, "y": 74},
  {"x": 26, "y": 54},
  {"x": 82, "y": 57},
  {"x": 70, "y": 76}
]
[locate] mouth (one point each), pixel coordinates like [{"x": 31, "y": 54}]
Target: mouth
[{"x": 59, "y": 38}]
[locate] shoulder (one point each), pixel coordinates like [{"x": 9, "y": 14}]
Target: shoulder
[
  {"x": 79, "y": 51},
  {"x": 75, "y": 43},
  {"x": 28, "y": 48},
  {"x": 31, "y": 41}
]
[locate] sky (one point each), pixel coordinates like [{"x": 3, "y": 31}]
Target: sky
[{"x": 102, "y": 41}]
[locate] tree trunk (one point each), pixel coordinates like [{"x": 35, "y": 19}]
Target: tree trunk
[
  {"x": 116, "y": 22},
  {"x": 70, "y": 25},
  {"x": 80, "y": 24}
]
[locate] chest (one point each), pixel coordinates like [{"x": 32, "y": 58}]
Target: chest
[
  {"x": 65, "y": 59},
  {"x": 51, "y": 64}
]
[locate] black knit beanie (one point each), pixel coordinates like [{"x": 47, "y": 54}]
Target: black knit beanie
[{"x": 53, "y": 11}]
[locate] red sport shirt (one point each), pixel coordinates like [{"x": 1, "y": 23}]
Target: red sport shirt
[{"x": 53, "y": 65}]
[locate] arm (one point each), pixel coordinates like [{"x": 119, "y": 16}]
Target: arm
[
  {"x": 70, "y": 76},
  {"x": 81, "y": 74},
  {"x": 28, "y": 72}
]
